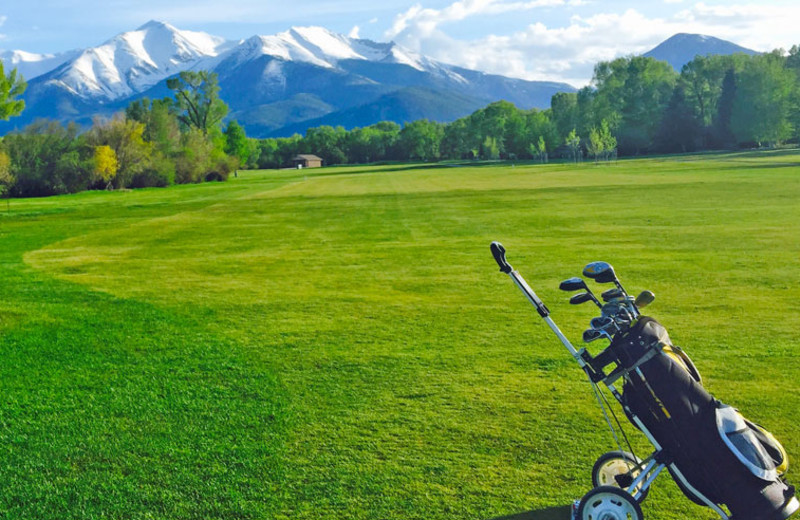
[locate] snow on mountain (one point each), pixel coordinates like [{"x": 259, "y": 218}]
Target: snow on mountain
[
  {"x": 270, "y": 82},
  {"x": 134, "y": 61},
  {"x": 31, "y": 65},
  {"x": 313, "y": 45},
  {"x": 323, "y": 48}
]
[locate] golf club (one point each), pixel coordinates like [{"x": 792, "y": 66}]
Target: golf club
[
  {"x": 611, "y": 294},
  {"x": 580, "y": 298},
  {"x": 602, "y": 272},
  {"x": 644, "y": 299},
  {"x": 576, "y": 284},
  {"x": 590, "y": 335},
  {"x": 603, "y": 323}
]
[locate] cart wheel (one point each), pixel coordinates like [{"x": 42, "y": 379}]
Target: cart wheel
[
  {"x": 609, "y": 503},
  {"x": 614, "y": 463}
]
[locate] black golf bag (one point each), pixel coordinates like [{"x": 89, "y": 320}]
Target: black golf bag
[
  {"x": 725, "y": 457},
  {"x": 716, "y": 456}
]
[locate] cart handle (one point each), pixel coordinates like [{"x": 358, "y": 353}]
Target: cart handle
[{"x": 499, "y": 253}]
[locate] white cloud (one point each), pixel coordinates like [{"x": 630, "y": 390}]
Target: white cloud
[
  {"x": 425, "y": 21},
  {"x": 569, "y": 52},
  {"x": 759, "y": 26},
  {"x": 354, "y": 32},
  {"x": 566, "y": 53}
]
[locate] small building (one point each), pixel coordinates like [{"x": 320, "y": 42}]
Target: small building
[{"x": 307, "y": 161}]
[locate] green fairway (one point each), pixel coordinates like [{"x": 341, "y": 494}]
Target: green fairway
[{"x": 339, "y": 343}]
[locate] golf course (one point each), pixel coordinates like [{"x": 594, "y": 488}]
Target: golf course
[{"x": 338, "y": 343}]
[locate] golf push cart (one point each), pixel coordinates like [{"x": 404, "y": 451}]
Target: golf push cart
[{"x": 717, "y": 457}]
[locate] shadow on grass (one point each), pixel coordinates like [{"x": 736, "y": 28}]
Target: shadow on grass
[{"x": 551, "y": 513}]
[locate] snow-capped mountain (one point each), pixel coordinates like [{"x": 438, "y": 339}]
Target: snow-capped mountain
[
  {"x": 136, "y": 60},
  {"x": 324, "y": 48},
  {"x": 680, "y": 49},
  {"x": 302, "y": 74},
  {"x": 31, "y": 65}
]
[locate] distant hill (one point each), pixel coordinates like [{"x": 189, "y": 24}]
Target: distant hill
[
  {"x": 401, "y": 106},
  {"x": 682, "y": 48},
  {"x": 275, "y": 85}
]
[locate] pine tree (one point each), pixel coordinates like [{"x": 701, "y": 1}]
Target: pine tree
[{"x": 723, "y": 135}]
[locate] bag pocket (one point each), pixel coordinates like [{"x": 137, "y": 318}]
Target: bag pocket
[{"x": 744, "y": 443}]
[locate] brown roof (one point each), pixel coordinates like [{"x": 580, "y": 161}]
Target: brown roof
[{"x": 307, "y": 157}]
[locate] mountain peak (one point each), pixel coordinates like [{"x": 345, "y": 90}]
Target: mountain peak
[
  {"x": 135, "y": 60},
  {"x": 681, "y": 48},
  {"x": 157, "y": 24},
  {"x": 321, "y": 47}
]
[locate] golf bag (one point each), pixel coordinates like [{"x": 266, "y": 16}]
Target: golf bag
[
  {"x": 716, "y": 456},
  {"x": 728, "y": 459}
]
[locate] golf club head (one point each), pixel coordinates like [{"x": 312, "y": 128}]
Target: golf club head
[
  {"x": 611, "y": 294},
  {"x": 644, "y": 299},
  {"x": 611, "y": 309},
  {"x": 603, "y": 323},
  {"x": 573, "y": 284},
  {"x": 590, "y": 335},
  {"x": 600, "y": 272},
  {"x": 623, "y": 318},
  {"x": 580, "y": 298}
]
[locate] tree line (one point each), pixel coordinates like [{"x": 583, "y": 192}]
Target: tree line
[
  {"x": 715, "y": 102},
  {"x": 152, "y": 143},
  {"x": 633, "y": 106}
]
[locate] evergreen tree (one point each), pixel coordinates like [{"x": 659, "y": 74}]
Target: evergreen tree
[
  {"x": 723, "y": 136},
  {"x": 679, "y": 130},
  {"x": 564, "y": 112}
]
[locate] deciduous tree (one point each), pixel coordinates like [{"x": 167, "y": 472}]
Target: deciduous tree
[
  {"x": 236, "y": 144},
  {"x": 573, "y": 143},
  {"x": 47, "y": 158},
  {"x": 420, "y": 140},
  {"x": 105, "y": 163},
  {"x": 763, "y": 102},
  {"x": 126, "y": 138},
  {"x": 197, "y": 95},
  {"x": 11, "y": 87},
  {"x": 6, "y": 178}
]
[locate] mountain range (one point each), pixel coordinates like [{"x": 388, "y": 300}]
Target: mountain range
[
  {"x": 274, "y": 85},
  {"x": 285, "y": 83}
]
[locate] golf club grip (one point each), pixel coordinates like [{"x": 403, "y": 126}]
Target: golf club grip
[{"x": 499, "y": 253}]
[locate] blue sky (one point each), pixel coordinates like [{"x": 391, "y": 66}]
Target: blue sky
[{"x": 533, "y": 39}]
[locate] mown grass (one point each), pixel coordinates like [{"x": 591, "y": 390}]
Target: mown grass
[{"x": 339, "y": 343}]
